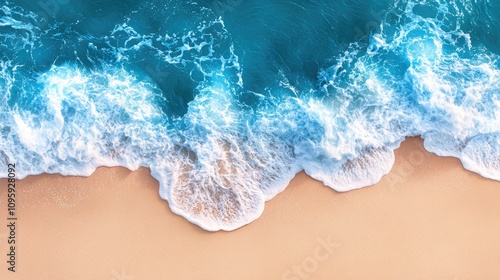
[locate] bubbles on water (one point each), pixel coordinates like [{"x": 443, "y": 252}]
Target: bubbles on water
[{"x": 172, "y": 102}]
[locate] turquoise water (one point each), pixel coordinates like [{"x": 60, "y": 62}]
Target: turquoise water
[{"x": 225, "y": 101}]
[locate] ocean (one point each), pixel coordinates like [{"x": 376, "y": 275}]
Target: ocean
[{"x": 226, "y": 100}]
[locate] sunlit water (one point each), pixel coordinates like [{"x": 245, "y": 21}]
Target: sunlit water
[{"x": 225, "y": 101}]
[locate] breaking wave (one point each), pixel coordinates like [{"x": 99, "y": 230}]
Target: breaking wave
[{"x": 225, "y": 101}]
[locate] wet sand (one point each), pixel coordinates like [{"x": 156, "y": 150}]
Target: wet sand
[{"x": 428, "y": 219}]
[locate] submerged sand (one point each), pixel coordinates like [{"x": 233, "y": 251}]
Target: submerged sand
[{"x": 428, "y": 219}]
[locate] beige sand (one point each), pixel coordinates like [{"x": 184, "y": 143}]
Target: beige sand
[{"x": 428, "y": 219}]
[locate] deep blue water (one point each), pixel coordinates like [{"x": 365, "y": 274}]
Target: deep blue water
[{"x": 227, "y": 100}]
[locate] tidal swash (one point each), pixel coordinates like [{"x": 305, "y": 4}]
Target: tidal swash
[{"x": 225, "y": 101}]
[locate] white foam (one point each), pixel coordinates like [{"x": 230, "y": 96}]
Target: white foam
[{"x": 220, "y": 162}]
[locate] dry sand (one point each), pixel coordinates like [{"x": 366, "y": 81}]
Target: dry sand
[{"x": 428, "y": 219}]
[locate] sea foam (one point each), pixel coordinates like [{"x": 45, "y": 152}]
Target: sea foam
[{"x": 224, "y": 120}]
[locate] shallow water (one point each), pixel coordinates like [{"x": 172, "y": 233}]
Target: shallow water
[{"x": 227, "y": 100}]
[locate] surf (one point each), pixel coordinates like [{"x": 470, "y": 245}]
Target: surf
[{"x": 226, "y": 102}]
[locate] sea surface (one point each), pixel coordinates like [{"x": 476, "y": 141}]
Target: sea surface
[{"x": 226, "y": 100}]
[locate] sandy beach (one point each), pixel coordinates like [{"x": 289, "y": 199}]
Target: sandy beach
[{"x": 428, "y": 219}]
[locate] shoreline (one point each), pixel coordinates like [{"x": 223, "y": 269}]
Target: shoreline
[{"x": 429, "y": 218}]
